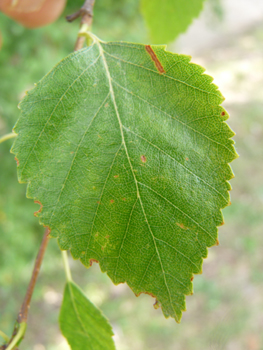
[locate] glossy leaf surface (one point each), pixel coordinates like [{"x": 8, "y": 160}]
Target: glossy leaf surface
[{"x": 126, "y": 148}]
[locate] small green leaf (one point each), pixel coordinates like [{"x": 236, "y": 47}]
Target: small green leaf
[
  {"x": 167, "y": 19},
  {"x": 82, "y": 324},
  {"x": 127, "y": 149}
]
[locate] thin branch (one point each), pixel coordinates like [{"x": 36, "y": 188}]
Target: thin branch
[
  {"x": 86, "y": 14},
  {"x": 86, "y": 9},
  {"x": 22, "y": 316},
  {"x": 20, "y": 327}
]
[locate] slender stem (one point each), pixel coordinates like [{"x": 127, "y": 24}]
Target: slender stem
[
  {"x": 7, "y": 137},
  {"x": 4, "y": 336},
  {"x": 86, "y": 14},
  {"x": 19, "y": 335},
  {"x": 22, "y": 316},
  {"x": 66, "y": 265}
]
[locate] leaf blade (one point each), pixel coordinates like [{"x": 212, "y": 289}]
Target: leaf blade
[
  {"x": 130, "y": 164},
  {"x": 81, "y": 323}
]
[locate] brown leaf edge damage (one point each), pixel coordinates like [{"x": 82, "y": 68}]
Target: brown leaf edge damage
[
  {"x": 17, "y": 161},
  {"x": 39, "y": 211},
  {"x": 91, "y": 261},
  {"x": 157, "y": 63},
  {"x": 156, "y": 304}
]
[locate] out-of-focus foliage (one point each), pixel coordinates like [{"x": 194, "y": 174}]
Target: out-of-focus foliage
[
  {"x": 167, "y": 19},
  {"x": 84, "y": 326},
  {"x": 217, "y": 8}
]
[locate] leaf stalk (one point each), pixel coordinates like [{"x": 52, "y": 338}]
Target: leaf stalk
[
  {"x": 4, "y": 336},
  {"x": 6, "y": 137},
  {"x": 66, "y": 265},
  {"x": 18, "y": 337}
]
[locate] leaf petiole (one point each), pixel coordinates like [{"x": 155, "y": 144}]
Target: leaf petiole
[
  {"x": 18, "y": 337},
  {"x": 66, "y": 265},
  {"x": 6, "y": 137},
  {"x": 4, "y": 336}
]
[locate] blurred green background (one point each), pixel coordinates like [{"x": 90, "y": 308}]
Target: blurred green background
[{"x": 226, "y": 310}]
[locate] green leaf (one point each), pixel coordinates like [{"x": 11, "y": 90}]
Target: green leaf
[
  {"x": 167, "y": 19},
  {"x": 82, "y": 324},
  {"x": 127, "y": 149}
]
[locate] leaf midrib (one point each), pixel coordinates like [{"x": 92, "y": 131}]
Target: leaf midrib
[
  {"x": 168, "y": 155},
  {"x": 72, "y": 297},
  {"x": 132, "y": 170}
]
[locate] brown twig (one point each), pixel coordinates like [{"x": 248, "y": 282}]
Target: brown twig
[
  {"x": 22, "y": 316},
  {"x": 86, "y": 14}
]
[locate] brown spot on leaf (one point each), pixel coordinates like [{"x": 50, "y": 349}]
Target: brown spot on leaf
[
  {"x": 116, "y": 176},
  {"x": 143, "y": 159},
  {"x": 106, "y": 105},
  {"x": 182, "y": 226},
  {"x": 112, "y": 201},
  {"x": 223, "y": 113},
  {"x": 91, "y": 261},
  {"x": 186, "y": 158},
  {"x": 217, "y": 241},
  {"x": 98, "y": 202},
  {"x": 107, "y": 237},
  {"x": 192, "y": 278},
  {"x": 157, "y": 63},
  {"x": 39, "y": 211},
  {"x": 222, "y": 223},
  {"x": 124, "y": 199},
  {"x": 17, "y": 161}
]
